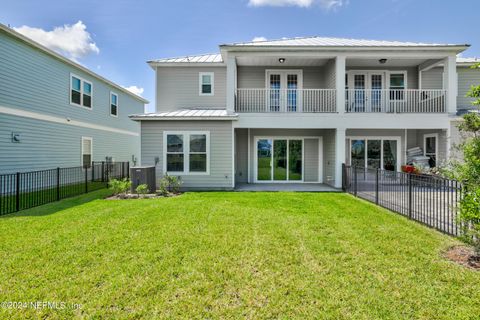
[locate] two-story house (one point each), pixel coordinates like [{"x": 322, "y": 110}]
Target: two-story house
[
  {"x": 294, "y": 110},
  {"x": 57, "y": 113}
]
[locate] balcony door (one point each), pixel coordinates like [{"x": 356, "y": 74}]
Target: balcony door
[
  {"x": 368, "y": 91},
  {"x": 283, "y": 92}
]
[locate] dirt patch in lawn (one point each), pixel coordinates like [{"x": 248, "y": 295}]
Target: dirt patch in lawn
[{"x": 464, "y": 256}]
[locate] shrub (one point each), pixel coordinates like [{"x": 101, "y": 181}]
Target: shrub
[
  {"x": 169, "y": 184},
  {"x": 120, "y": 186},
  {"x": 142, "y": 189}
]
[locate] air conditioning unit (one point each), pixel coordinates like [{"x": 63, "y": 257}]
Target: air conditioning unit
[{"x": 143, "y": 175}]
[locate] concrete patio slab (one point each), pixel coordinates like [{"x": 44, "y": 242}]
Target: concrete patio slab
[{"x": 296, "y": 187}]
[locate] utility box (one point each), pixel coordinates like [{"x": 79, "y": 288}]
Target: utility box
[{"x": 143, "y": 175}]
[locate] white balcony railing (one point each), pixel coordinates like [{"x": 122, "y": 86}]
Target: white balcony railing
[
  {"x": 395, "y": 101},
  {"x": 285, "y": 100}
]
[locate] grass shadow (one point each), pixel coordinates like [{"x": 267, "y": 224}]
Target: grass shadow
[{"x": 54, "y": 207}]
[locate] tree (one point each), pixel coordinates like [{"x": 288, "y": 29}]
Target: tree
[{"x": 468, "y": 172}]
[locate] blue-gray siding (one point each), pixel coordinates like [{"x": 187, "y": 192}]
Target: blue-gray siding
[
  {"x": 34, "y": 81},
  {"x": 221, "y": 144}
]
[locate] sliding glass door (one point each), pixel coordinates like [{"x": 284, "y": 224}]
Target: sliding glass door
[
  {"x": 375, "y": 153},
  {"x": 279, "y": 160}
]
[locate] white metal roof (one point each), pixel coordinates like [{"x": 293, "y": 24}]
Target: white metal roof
[
  {"x": 467, "y": 61},
  {"x": 203, "y": 58},
  {"x": 187, "y": 114},
  {"x": 335, "y": 42}
]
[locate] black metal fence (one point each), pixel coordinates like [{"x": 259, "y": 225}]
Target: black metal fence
[
  {"x": 24, "y": 190},
  {"x": 431, "y": 200}
]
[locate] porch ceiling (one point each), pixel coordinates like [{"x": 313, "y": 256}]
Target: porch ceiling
[
  {"x": 273, "y": 61},
  {"x": 394, "y": 62}
]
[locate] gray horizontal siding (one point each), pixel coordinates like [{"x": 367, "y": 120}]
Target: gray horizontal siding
[
  {"x": 241, "y": 155},
  {"x": 466, "y": 78},
  {"x": 432, "y": 79},
  {"x": 221, "y": 163},
  {"x": 178, "y": 87},
  {"x": 46, "y": 145},
  {"x": 255, "y": 76},
  {"x": 311, "y": 160},
  {"x": 35, "y": 81}
]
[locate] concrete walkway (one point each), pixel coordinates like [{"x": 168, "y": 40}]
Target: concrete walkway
[{"x": 296, "y": 187}]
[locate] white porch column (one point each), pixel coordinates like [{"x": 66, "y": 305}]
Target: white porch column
[
  {"x": 339, "y": 155},
  {"x": 450, "y": 70},
  {"x": 231, "y": 83},
  {"x": 340, "y": 83}
]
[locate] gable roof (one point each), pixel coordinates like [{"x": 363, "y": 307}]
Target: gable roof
[
  {"x": 334, "y": 42},
  {"x": 58, "y": 56}
]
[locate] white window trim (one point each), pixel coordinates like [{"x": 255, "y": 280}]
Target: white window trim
[
  {"x": 82, "y": 80},
  {"x": 110, "y": 106},
  {"x": 91, "y": 149},
  {"x": 212, "y": 78},
  {"x": 186, "y": 153},
  {"x": 430, "y": 135}
]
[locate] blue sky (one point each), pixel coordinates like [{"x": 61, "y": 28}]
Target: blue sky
[{"x": 124, "y": 34}]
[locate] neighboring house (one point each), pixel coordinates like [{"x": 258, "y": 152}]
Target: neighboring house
[
  {"x": 56, "y": 113},
  {"x": 295, "y": 110}
]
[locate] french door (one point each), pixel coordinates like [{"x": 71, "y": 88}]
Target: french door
[
  {"x": 375, "y": 153},
  {"x": 283, "y": 90},
  {"x": 279, "y": 160},
  {"x": 368, "y": 93}
]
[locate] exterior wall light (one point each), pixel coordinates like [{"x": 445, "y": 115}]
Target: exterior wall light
[
  {"x": 281, "y": 60},
  {"x": 382, "y": 61}
]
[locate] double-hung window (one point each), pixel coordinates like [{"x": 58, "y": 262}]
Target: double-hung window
[
  {"x": 113, "y": 104},
  {"x": 80, "y": 92},
  {"x": 206, "y": 83},
  {"x": 187, "y": 152},
  {"x": 397, "y": 86},
  {"x": 87, "y": 146}
]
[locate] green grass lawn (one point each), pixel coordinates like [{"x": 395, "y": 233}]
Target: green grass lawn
[{"x": 230, "y": 255}]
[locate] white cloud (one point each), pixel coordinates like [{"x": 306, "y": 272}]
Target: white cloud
[
  {"x": 325, "y": 4},
  {"x": 73, "y": 41},
  {"x": 135, "y": 90},
  {"x": 258, "y": 39}
]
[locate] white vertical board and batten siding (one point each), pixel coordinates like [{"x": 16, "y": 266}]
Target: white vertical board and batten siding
[
  {"x": 221, "y": 162},
  {"x": 178, "y": 88}
]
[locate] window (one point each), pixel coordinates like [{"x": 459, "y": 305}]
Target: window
[
  {"x": 397, "y": 85},
  {"x": 430, "y": 146},
  {"x": 80, "y": 92},
  {"x": 113, "y": 104},
  {"x": 206, "y": 81},
  {"x": 186, "y": 152},
  {"x": 86, "y": 152}
]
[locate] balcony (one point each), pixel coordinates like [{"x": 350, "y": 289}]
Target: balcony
[
  {"x": 286, "y": 100},
  {"x": 324, "y": 101},
  {"x": 395, "y": 101}
]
